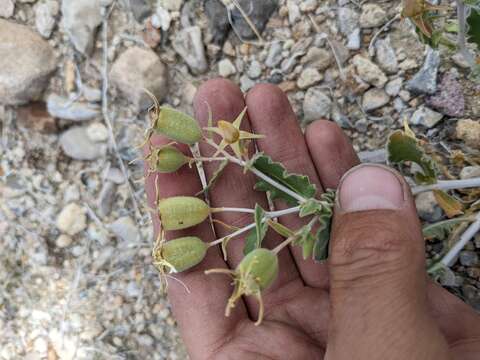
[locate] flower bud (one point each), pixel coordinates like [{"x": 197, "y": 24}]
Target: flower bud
[
  {"x": 181, "y": 212},
  {"x": 167, "y": 159},
  {"x": 183, "y": 253},
  {"x": 229, "y": 132},
  {"x": 178, "y": 126}
]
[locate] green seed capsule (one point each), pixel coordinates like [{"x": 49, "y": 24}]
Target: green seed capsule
[
  {"x": 256, "y": 272},
  {"x": 178, "y": 126},
  {"x": 181, "y": 212},
  {"x": 183, "y": 253},
  {"x": 167, "y": 159},
  {"x": 258, "y": 269}
]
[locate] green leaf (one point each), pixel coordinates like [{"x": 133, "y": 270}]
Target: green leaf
[
  {"x": 473, "y": 22},
  {"x": 280, "y": 229},
  {"x": 404, "y": 147},
  {"x": 255, "y": 236},
  {"x": 322, "y": 207},
  {"x": 297, "y": 183},
  {"x": 320, "y": 249},
  {"x": 305, "y": 239},
  {"x": 441, "y": 229}
]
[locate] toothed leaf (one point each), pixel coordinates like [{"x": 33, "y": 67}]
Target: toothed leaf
[
  {"x": 473, "y": 21},
  {"x": 214, "y": 177},
  {"x": 441, "y": 229},
  {"x": 297, "y": 183},
  {"x": 403, "y": 147},
  {"x": 320, "y": 249},
  {"x": 449, "y": 204},
  {"x": 255, "y": 236},
  {"x": 306, "y": 240}
]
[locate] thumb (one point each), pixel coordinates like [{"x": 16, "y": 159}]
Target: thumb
[{"x": 377, "y": 272}]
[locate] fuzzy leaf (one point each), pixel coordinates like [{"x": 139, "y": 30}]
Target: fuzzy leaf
[
  {"x": 404, "y": 147},
  {"x": 320, "y": 249},
  {"x": 297, "y": 183},
  {"x": 441, "y": 229},
  {"x": 255, "y": 236},
  {"x": 449, "y": 204},
  {"x": 306, "y": 240},
  {"x": 473, "y": 21},
  {"x": 280, "y": 229},
  {"x": 322, "y": 207}
]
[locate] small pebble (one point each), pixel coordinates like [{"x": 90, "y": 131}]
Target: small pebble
[{"x": 72, "y": 219}]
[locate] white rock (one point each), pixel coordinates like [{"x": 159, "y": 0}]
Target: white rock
[
  {"x": 354, "y": 40},
  {"x": 7, "y": 8},
  {"x": 374, "y": 99},
  {"x": 45, "y": 13},
  {"x": 318, "y": 58},
  {"x": 72, "y": 219},
  {"x": 63, "y": 108},
  {"x": 161, "y": 19},
  {"x": 172, "y": 5},
  {"x": 126, "y": 229},
  {"x": 254, "y": 70},
  {"x": 189, "y": 45},
  {"x": 293, "y": 11},
  {"x": 26, "y": 63},
  {"x": 226, "y": 68},
  {"x": 427, "y": 207},
  {"x": 77, "y": 145},
  {"x": 80, "y": 20},
  {"x": 369, "y": 72},
  {"x": 426, "y": 117},
  {"x": 274, "y": 56},
  {"x": 40, "y": 345},
  {"x": 63, "y": 241},
  {"x": 137, "y": 69},
  {"x": 394, "y": 86},
  {"x": 470, "y": 172},
  {"x": 97, "y": 132},
  {"x": 246, "y": 83},
  {"x": 372, "y": 16},
  {"x": 309, "y": 77},
  {"x": 347, "y": 19},
  {"x": 316, "y": 105},
  {"x": 385, "y": 55}
]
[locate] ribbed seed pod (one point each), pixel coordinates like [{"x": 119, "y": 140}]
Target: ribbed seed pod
[
  {"x": 258, "y": 270},
  {"x": 181, "y": 212},
  {"x": 178, "y": 126},
  {"x": 184, "y": 253},
  {"x": 167, "y": 159}
]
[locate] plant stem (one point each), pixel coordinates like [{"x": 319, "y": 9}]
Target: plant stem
[
  {"x": 268, "y": 215},
  {"x": 236, "y": 233},
  {"x": 209, "y": 159},
  {"x": 449, "y": 258},
  {"x": 462, "y": 28},
  {"x": 447, "y": 185},
  {"x": 258, "y": 173},
  {"x": 284, "y": 243},
  {"x": 232, "y": 209}
]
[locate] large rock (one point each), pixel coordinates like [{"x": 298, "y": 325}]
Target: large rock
[
  {"x": 385, "y": 55},
  {"x": 425, "y": 81},
  {"x": 468, "y": 130},
  {"x": 137, "y": 69},
  {"x": 259, "y": 13},
  {"x": 81, "y": 19},
  {"x": 369, "y": 71},
  {"x": 26, "y": 64},
  {"x": 372, "y": 16},
  {"x": 449, "y": 99},
  {"x": 374, "y": 99},
  {"x": 189, "y": 45},
  {"x": 76, "y": 144},
  {"x": 64, "y": 108},
  {"x": 425, "y": 117},
  {"x": 316, "y": 105}
]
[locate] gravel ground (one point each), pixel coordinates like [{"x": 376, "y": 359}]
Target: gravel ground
[{"x": 76, "y": 280}]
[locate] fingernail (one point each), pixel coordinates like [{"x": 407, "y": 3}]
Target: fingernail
[{"x": 370, "y": 187}]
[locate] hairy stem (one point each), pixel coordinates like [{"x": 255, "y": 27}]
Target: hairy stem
[
  {"x": 474, "y": 228},
  {"x": 447, "y": 185},
  {"x": 258, "y": 173}
]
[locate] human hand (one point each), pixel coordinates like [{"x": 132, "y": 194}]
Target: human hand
[{"x": 371, "y": 300}]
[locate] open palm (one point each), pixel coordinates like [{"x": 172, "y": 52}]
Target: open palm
[{"x": 300, "y": 318}]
